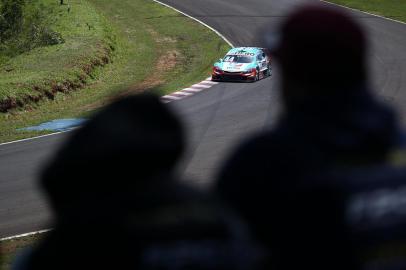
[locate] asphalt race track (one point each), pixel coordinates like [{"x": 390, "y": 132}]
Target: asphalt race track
[{"x": 215, "y": 119}]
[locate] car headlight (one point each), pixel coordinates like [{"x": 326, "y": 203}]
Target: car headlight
[
  {"x": 252, "y": 70},
  {"x": 217, "y": 70}
]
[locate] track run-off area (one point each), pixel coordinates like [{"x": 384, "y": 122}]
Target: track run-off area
[{"x": 216, "y": 118}]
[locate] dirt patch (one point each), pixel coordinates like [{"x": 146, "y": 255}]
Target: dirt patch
[
  {"x": 161, "y": 39},
  {"x": 167, "y": 61},
  {"x": 164, "y": 64}
]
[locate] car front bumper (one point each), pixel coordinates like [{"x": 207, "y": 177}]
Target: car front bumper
[{"x": 233, "y": 76}]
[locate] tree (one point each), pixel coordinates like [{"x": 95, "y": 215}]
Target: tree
[{"x": 11, "y": 18}]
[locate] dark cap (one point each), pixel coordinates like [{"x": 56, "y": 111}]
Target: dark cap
[
  {"x": 320, "y": 45},
  {"x": 123, "y": 146}
]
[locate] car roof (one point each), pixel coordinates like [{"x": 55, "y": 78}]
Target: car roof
[{"x": 245, "y": 51}]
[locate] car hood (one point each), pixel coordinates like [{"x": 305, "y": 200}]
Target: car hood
[{"x": 235, "y": 67}]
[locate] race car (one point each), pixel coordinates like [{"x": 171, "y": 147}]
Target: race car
[{"x": 243, "y": 64}]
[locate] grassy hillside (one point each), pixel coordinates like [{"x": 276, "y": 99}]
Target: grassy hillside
[
  {"x": 41, "y": 72},
  {"x": 111, "y": 49},
  {"x": 394, "y": 9}
]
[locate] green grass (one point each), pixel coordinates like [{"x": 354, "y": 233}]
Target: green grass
[
  {"x": 394, "y": 9},
  {"x": 140, "y": 32},
  {"x": 35, "y": 74},
  {"x": 10, "y": 248}
]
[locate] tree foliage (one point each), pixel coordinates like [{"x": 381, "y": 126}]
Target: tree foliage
[
  {"x": 25, "y": 25},
  {"x": 11, "y": 18}
]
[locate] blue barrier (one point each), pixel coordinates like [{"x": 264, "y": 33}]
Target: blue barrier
[{"x": 57, "y": 125}]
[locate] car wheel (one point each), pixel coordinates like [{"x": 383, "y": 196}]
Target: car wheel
[
  {"x": 268, "y": 71},
  {"x": 257, "y": 76}
]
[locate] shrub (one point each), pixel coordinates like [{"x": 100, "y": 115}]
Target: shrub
[
  {"x": 11, "y": 18},
  {"x": 50, "y": 37},
  {"x": 25, "y": 27}
]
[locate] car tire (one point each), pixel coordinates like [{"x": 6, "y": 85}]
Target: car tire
[
  {"x": 268, "y": 71},
  {"x": 257, "y": 76}
]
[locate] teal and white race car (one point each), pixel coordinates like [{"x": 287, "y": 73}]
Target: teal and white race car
[{"x": 243, "y": 64}]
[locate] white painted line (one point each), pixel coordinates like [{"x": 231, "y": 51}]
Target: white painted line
[
  {"x": 192, "y": 90},
  {"x": 196, "y": 89},
  {"x": 199, "y": 85},
  {"x": 183, "y": 93},
  {"x": 353, "y": 9},
  {"x": 37, "y": 137},
  {"x": 171, "y": 97},
  {"x": 197, "y": 20},
  {"x": 209, "y": 82},
  {"x": 177, "y": 95},
  {"x": 166, "y": 101},
  {"x": 23, "y": 235}
]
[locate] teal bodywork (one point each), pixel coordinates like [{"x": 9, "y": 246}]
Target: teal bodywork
[{"x": 231, "y": 66}]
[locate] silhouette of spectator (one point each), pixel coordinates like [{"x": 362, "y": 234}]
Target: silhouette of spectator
[
  {"x": 117, "y": 204},
  {"x": 294, "y": 184}
]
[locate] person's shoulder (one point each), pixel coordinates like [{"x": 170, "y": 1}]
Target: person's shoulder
[
  {"x": 253, "y": 157},
  {"x": 263, "y": 142}
]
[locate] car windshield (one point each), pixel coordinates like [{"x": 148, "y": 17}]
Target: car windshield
[{"x": 238, "y": 59}]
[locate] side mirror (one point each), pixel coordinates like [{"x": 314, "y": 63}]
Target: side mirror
[{"x": 220, "y": 60}]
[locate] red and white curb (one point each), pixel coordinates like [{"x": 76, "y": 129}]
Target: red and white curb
[{"x": 190, "y": 91}]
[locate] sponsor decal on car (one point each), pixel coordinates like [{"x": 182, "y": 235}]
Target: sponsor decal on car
[{"x": 243, "y": 64}]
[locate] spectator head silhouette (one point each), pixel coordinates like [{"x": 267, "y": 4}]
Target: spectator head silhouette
[
  {"x": 119, "y": 150},
  {"x": 321, "y": 52},
  {"x": 280, "y": 180},
  {"x": 118, "y": 205}
]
